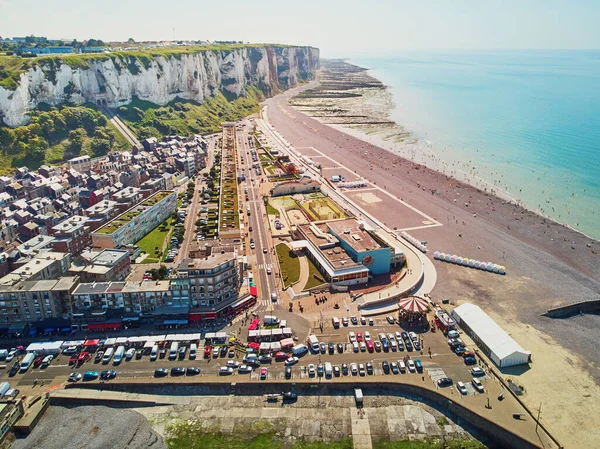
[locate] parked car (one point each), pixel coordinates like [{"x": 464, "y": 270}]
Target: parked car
[
  {"x": 386, "y": 366},
  {"x": 477, "y": 371},
  {"x": 331, "y": 347},
  {"x": 161, "y": 372},
  {"x": 263, "y": 374},
  {"x": 108, "y": 374},
  {"x": 461, "y": 388},
  {"x": 192, "y": 371},
  {"x": 411, "y": 366},
  {"x": 337, "y": 371},
  {"x": 444, "y": 382},
  {"x": 233, "y": 364},
  {"x": 288, "y": 372},
  {"x": 245, "y": 369},
  {"x": 177, "y": 371},
  {"x": 311, "y": 370},
  {"x": 470, "y": 360},
  {"x": 418, "y": 366},
  {"x": 320, "y": 370},
  {"x": 391, "y": 319},
  {"x": 292, "y": 361},
  {"x": 98, "y": 357},
  {"x": 340, "y": 348},
  {"x": 74, "y": 377},
  {"x": 477, "y": 385},
  {"x": 225, "y": 371},
  {"x": 453, "y": 334},
  {"x": 90, "y": 375},
  {"x": 394, "y": 367},
  {"x": 369, "y": 368},
  {"x": 354, "y": 369}
]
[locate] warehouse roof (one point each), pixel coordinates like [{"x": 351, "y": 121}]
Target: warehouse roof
[{"x": 491, "y": 334}]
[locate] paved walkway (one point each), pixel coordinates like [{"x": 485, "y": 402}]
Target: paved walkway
[
  {"x": 304, "y": 273},
  {"x": 361, "y": 429}
]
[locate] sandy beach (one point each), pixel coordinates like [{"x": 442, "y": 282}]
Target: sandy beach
[{"x": 547, "y": 264}]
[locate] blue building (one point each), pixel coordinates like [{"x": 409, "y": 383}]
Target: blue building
[
  {"x": 361, "y": 245},
  {"x": 51, "y": 50}
]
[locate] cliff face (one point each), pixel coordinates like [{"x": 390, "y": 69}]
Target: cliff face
[{"x": 115, "y": 80}]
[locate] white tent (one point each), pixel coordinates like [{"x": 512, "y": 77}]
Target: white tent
[{"x": 503, "y": 350}]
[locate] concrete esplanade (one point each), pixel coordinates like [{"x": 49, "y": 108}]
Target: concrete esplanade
[
  {"x": 499, "y": 427},
  {"x": 421, "y": 276}
]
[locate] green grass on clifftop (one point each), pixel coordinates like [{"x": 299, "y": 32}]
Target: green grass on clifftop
[
  {"x": 11, "y": 67},
  {"x": 185, "y": 117}
]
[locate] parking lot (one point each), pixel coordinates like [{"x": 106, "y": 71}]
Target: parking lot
[{"x": 442, "y": 362}]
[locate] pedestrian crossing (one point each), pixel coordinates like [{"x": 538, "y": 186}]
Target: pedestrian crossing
[{"x": 265, "y": 266}]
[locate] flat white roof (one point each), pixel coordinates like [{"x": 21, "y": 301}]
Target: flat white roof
[
  {"x": 45, "y": 346},
  {"x": 501, "y": 345}
]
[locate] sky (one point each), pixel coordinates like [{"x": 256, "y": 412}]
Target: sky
[{"x": 338, "y": 28}]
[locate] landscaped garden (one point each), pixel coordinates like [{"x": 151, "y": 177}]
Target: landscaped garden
[
  {"x": 289, "y": 264},
  {"x": 153, "y": 242},
  {"x": 315, "y": 278}
]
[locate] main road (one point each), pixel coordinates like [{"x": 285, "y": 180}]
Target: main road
[{"x": 257, "y": 221}]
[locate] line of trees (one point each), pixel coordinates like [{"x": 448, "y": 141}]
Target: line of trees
[
  {"x": 42, "y": 42},
  {"x": 46, "y": 128}
]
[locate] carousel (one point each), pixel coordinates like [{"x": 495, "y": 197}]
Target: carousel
[{"x": 413, "y": 312}]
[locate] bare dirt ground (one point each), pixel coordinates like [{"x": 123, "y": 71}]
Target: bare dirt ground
[{"x": 547, "y": 264}]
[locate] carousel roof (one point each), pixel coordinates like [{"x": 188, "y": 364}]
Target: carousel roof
[{"x": 413, "y": 304}]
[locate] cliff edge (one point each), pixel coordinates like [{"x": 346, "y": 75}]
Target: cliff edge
[{"x": 158, "y": 75}]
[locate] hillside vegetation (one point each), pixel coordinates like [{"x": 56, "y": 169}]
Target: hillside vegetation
[
  {"x": 184, "y": 117},
  {"x": 56, "y": 134}
]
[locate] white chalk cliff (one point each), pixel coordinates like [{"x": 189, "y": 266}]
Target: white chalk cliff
[{"x": 116, "y": 80}]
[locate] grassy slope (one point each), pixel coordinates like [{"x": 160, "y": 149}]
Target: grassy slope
[
  {"x": 289, "y": 263},
  {"x": 185, "y": 117}
]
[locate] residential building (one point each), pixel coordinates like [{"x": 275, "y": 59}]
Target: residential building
[
  {"x": 46, "y": 265},
  {"x": 135, "y": 223},
  {"x": 105, "y": 266},
  {"x": 211, "y": 285},
  {"x": 71, "y": 235}
]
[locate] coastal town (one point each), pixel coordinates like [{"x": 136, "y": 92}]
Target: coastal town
[
  {"x": 144, "y": 266},
  {"x": 215, "y": 244}
]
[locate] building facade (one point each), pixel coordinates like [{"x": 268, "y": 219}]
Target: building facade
[{"x": 136, "y": 222}]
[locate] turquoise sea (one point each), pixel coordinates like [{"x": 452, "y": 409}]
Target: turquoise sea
[{"x": 527, "y": 121}]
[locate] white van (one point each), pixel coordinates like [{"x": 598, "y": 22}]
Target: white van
[
  {"x": 174, "y": 350},
  {"x": 193, "y": 350},
  {"x": 328, "y": 370},
  {"x": 119, "y": 353},
  {"x": 313, "y": 342},
  {"x": 154, "y": 353},
  {"x": 129, "y": 354},
  {"x": 108, "y": 355},
  {"x": 336, "y": 322}
]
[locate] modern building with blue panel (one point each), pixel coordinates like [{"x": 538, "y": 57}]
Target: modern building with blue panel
[{"x": 361, "y": 245}]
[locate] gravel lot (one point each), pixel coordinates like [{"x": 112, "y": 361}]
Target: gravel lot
[{"x": 91, "y": 428}]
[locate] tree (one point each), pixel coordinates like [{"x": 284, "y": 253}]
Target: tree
[
  {"x": 100, "y": 146},
  {"x": 37, "y": 148},
  {"x": 76, "y": 140}
]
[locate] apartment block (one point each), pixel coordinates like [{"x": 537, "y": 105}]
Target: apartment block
[{"x": 136, "y": 222}]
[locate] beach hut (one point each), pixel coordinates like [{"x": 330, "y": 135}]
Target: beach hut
[
  {"x": 447, "y": 257},
  {"x": 476, "y": 264},
  {"x": 459, "y": 260},
  {"x": 441, "y": 256},
  {"x": 436, "y": 255},
  {"x": 454, "y": 258},
  {"x": 495, "y": 269},
  {"x": 471, "y": 263},
  {"x": 490, "y": 266}
]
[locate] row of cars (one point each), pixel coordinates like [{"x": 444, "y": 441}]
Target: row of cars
[
  {"x": 92, "y": 375},
  {"x": 363, "y": 342}
]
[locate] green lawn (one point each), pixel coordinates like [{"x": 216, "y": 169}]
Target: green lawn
[
  {"x": 289, "y": 263},
  {"x": 271, "y": 210},
  {"x": 260, "y": 435},
  {"x": 312, "y": 271},
  {"x": 153, "y": 240}
]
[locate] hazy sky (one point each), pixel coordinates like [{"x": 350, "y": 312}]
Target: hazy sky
[{"x": 338, "y": 28}]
